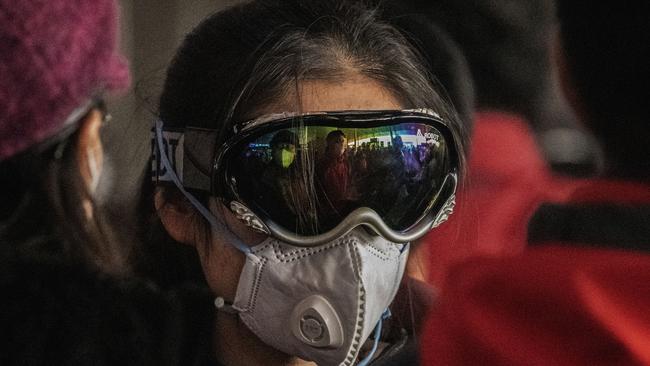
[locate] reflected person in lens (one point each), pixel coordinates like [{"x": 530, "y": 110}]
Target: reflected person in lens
[
  {"x": 279, "y": 174},
  {"x": 333, "y": 172}
]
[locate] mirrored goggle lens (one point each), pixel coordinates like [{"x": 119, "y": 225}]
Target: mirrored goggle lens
[{"x": 309, "y": 178}]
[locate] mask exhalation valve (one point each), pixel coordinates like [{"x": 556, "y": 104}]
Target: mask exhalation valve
[{"x": 315, "y": 322}]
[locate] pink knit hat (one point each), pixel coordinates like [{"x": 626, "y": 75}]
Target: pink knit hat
[{"x": 54, "y": 56}]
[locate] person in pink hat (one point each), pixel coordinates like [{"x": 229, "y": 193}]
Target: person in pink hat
[{"x": 68, "y": 293}]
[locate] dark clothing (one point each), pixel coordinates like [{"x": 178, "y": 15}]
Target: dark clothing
[
  {"x": 57, "y": 313},
  {"x": 606, "y": 214},
  {"x": 402, "y": 351},
  {"x": 412, "y": 302},
  {"x": 403, "y": 354},
  {"x": 580, "y": 296}
]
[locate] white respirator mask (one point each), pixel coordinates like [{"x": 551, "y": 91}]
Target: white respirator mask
[{"x": 321, "y": 303}]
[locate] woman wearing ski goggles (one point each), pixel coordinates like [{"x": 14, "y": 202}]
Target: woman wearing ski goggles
[
  {"x": 291, "y": 131},
  {"x": 395, "y": 173}
]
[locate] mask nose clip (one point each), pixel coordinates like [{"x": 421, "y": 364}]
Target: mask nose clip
[{"x": 315, "y": 322}]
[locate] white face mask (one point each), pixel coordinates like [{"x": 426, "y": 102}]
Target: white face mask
[{"x": 320, "y": 303}]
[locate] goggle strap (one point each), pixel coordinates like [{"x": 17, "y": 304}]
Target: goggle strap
[
  {"x": 215, "y": 223},
  {"x": 171, "y": 145},
  {"x": 190, "y": 154}
]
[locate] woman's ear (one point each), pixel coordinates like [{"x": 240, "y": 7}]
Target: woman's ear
[
  {"x": 90, "y": 153},
  {"x": 178, "y": 218}
]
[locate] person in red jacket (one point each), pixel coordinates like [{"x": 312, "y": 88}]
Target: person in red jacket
[
  {"x": 334, "y": 172},
  {"x": 580, "y": 294}
]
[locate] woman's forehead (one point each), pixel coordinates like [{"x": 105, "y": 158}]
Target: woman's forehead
[{"x": 354, "y": 93}]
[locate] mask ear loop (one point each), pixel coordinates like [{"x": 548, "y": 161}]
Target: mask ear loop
[{"x": 216, "y": 224}]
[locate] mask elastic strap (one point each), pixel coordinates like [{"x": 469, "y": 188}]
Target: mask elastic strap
[
  {"x": 377, "y": 332},
  {"x": 216, "y": 224}
]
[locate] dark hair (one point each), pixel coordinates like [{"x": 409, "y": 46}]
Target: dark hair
[
  {"x": 334, "y": 134},
  {"x": 42, "y": 213},
  {"x": 607, "y": 52},
  {"x": 284, "y": 136}
]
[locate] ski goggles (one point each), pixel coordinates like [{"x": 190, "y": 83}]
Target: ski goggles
[{"x": 308, "y": 179}]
